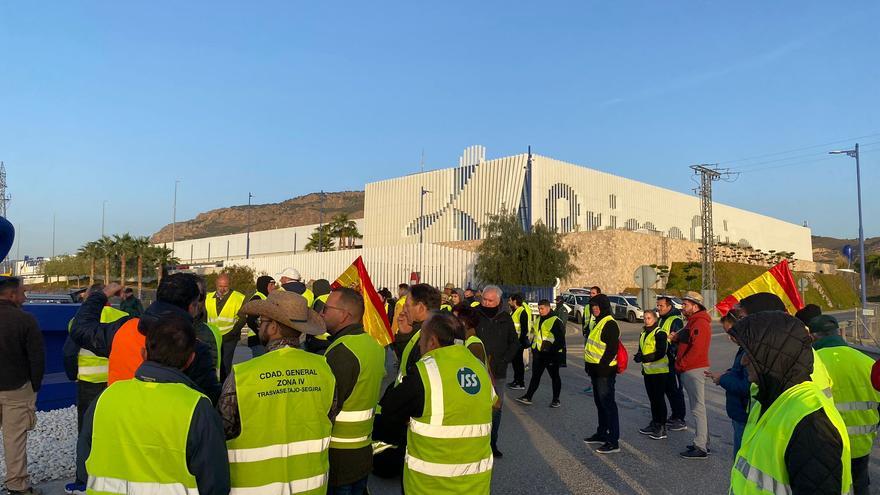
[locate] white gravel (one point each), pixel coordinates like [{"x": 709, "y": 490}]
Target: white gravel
[{"x": 51, "y": 446}]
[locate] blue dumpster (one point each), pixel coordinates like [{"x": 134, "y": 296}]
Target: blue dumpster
[{"x": 57, "y": 391}]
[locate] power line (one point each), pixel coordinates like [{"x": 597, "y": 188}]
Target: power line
[
  {"x": 804, "y": 162},
  {"x": 776, "y": 153},
  {"x": 750, "y": 166}
]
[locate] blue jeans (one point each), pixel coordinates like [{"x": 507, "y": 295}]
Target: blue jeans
[
  {"x": 738, "y": 429},
  {"x": 606, "y": 407},
  {"x": 357, "y": 488}
]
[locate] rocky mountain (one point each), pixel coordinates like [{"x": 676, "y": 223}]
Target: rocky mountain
[
  {"x": 827, "y": 249},
  {"x": 302, "y": 210}
]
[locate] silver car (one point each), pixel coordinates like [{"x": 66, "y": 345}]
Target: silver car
[
  {"x": 626, "y": 308},
  {"x": 578, "y": 305}
]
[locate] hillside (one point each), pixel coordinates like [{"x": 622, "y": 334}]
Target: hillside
[
  {"x": 302, "y": 210},
  {"x": 827, "y": 249}
]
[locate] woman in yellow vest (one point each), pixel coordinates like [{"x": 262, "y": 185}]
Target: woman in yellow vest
[
  {"x": 548, "y": 351},
  {"x": 655, "y": 368},
  {"x": 795, "y": 440}
]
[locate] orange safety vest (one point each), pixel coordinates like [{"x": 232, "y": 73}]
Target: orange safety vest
[{"x": 126, "y": 352}]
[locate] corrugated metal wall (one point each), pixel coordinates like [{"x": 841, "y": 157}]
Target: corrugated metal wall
[{"x": 387, "y": 265}]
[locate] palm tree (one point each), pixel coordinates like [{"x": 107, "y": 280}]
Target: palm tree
[
  {"x": 345, "y": 230},
  {"x": 106, "y": 249},
  {"x": 140, "y": 247},
  {"x": 321, "y": 239},
  {"x": 123, "y": 246},
  {"x": 90, "y": 250},
  {"x": 160, "y": 257}
]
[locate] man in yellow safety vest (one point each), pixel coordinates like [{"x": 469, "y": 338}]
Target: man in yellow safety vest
[
  {"x": 854, "y": 397},
  {"x": 222, "y": 306},
  {"x": 155, "y": 433},
  {"x": 277, "y": 408}
]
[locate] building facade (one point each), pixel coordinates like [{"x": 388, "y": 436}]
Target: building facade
[{"x": 457, "y": 202}]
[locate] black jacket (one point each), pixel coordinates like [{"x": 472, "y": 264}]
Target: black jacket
[
  {"x": 88, "y": 332},
  {"x": 206, "y": 455},
  {"x": 610, "y": 337},
  {"x": 780, "y": 349},
  {"x": 499, "y": 337},
  {"x": 558, "y": 332},
  {"x": 22, "y": 359}
]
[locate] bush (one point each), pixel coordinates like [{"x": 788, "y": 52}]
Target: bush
[{"x": 241, "y": 278}]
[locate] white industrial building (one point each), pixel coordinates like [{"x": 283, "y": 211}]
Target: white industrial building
[
  {"x": 562, "y": 195},
  {"x": 455, "y": 204}
]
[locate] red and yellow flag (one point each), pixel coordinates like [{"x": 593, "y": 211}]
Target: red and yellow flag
[
  {"x": 375, "y": 319},
  {"x": 777, "y": 280}
]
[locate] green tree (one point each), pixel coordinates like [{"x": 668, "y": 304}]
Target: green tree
[
  {"x": 141, "y": 247},
  {"x": 106, "y": 249},
  {"x": 123, "y": 247},
  {"x": 160, "y": 257},
  {"x": 321, "y": 239},
  {"x": 91, "y": 252},
  {"x": 344, "y": 229},
  {"x": 510, "y": 256},
  {"x": 241, "y": 278}
]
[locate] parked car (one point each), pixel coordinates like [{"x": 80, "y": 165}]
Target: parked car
[
  {"x": 676, "y": 302},
  {"x": 578, "y": 304},
  {"x": 626, "y": 308}
]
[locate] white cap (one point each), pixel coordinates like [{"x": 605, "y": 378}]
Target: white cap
[{"x": 291, "y": 273}]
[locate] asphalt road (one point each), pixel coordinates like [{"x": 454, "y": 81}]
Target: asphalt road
[{"x": 544, "y": 451}]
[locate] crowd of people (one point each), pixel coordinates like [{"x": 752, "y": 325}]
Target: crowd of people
[{"x": 163, "y": 406}]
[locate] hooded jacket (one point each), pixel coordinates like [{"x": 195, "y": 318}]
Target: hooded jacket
[
  {"x": 499, "y": 337},
  {"x": 780, "y": 351},
  {"x": 610, "y": 336}
]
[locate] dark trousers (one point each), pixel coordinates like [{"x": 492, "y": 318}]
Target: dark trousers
[
  {"x": 655, "y": 385},
  {"x": 86, "y": 393},
  {"x": 675, "y": 394},
  {"x": 540, "y": 362},
  {"x": 357, "y": 488},
  {"x": 496, "y": 413},
  {"x": 606, "y": 407},
  {"x": 227, "y": 353},
  {"x": 519, "y": 368},
  {"x": 860, "y": 478}
]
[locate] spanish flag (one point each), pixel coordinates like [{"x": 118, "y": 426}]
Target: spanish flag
[
  {"x": 777, "y": 280},
  {"x": 375, "y": 319}
]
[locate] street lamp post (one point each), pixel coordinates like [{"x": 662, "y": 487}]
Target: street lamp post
[
  {"x": 247, "y": 248},
  {"x": 854, "y": 153},
  {"x": 103, "y": 215},
  {"x": 422, "y": 193},
  {"x": 174, "y": 216}
]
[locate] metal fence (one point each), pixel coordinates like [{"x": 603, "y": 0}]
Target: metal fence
[{"x": 864, "y": 329}]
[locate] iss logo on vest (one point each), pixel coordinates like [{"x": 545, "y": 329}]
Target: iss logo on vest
[{"x": 468, "y": 381}]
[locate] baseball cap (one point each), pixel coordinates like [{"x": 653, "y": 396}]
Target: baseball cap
[{"x": 291, "y": 273}]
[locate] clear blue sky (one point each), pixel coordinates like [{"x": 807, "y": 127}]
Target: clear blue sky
[{"x": 114, "y": 100}]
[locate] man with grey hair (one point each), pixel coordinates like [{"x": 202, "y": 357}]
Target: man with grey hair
[{"x": 499, "y": 337}]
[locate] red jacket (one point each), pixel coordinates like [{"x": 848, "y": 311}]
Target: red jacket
[{"x": 693, "y": 343}]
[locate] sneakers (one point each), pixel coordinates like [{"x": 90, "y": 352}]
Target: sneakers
[
  {"x": 694, "y": 453},
  {"x": 654, "y": 430},
  {"x": 497, "y": 453},
  {"x": 608, "y": 448},
  {"x": 648, "y": 429},
  {"x": 524, "y": 400},
  {"x": 75, "y": 488},
  {"x": 676, "y": 425},
  {"x": 516, "y": 386},
  {"x": 555, "y": 404},
  {"x": 693, "y": 447},
  {"x": 659, "y": 433},
  {"x": 588, "y": 390},
  {"x": 597, "y": 438}
]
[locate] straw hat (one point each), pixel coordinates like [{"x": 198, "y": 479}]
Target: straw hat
[
  {"x": 289, "y": 309},
  {"x": 694, "y": 297}
]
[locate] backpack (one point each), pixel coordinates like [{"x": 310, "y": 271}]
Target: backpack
[{"x": 622, "y": 358}]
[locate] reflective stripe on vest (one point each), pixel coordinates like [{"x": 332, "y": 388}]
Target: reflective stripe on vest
[
  {"x": 544, "y": 333},
  {"x": 854, "y": 397},
  {"x": 404, "y": 356},
  {"x": 475, "y": 304},
  {"x": 228, "y": 314},
  {"x": 760, "y": 463},
  {"x": 448, "y": 445},
  {"x": 286, "y": 386},
  {"x": 92, "y": 368},
  {"x": 647, "y": 345},
  {"x": 595, "y": 348},
  {"x": 139, "y": 439},
  {"x": 126, "y": 352},
  {"x": 259, "y": 295},
  {"x": 353, "y": 426}
]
